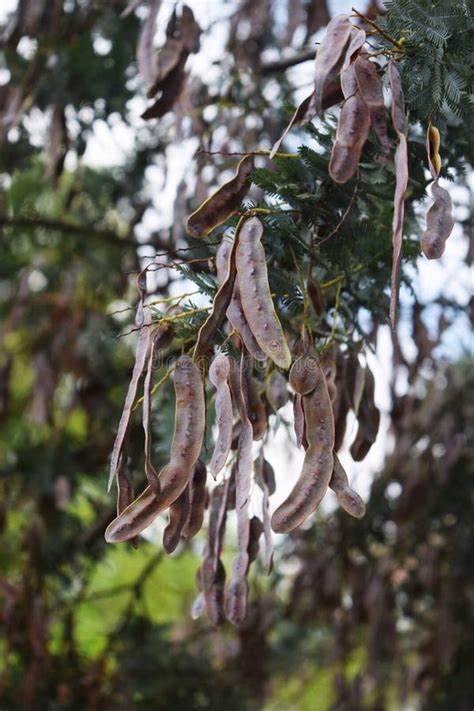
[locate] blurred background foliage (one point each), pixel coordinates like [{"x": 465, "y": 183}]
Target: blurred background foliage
[{"x": 370, "y": 615}]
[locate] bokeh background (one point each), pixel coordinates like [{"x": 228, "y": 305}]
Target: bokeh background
[{"x": 376, "y": 614}]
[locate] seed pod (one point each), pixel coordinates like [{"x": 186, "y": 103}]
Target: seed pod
[
  {"x": 266, "y": 480},
  {"x": 358, "y": 38},
  {"x": 433, "y": 142},
  {"x": 252, "y": 279},
  {"x": 235, "y": 312},
  {"x": 150, "y": 471},
  {"x": 328, "y": 61},
  {"x": 371, "y": 88},
  {"x": 197, "y": 500},
  {"x": 313, "y": 482},
  {"x": 328, "y": 364},
  {"x": 185, "y": 448},
  {"x": 352, "y": 130},
  {"x": 341, "y": 403},
  {"x": 304, "y": 374},
  {"x": 369, "y": 420},
  {"x": 277, "y": 390},
  {"x": 220, "y": 205},
  {"x": 213, "y": 586},
  {"x": 348, "y": 499},
  {"x": 178, "y": 515},
  {"x": 316, "y": 297},
  {"x": 439, "y": 223},
  {"x": 401, "y": 175},
  {"x": 218, "y": 375}
]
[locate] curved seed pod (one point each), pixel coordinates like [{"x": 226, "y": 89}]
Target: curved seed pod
[
  {"x": 313, "y": 482},
  {"x": 332, "y": 95},
  {"x": 213, "y": 586},
  {"x": 235, "y": 312},
  {"x": 220, "y": 205},
  {"x": 218, "y": 375},
  {"x": 329, "y": 59},
  {"x": 439, "y": 223},
  {"x": 304, "y": 374},
  {"x": 369, "y": 420},
  {"x": 185, "y": 449},
  {"x": 277, "y": 390},
  {"x": 348, "y": 499},
  {"x": 197, "y": 500},
  {"x": 433, "y": 142},
  {"x": 256, "y": 530},
  {"x": 371, "y": 88},
  {"x": 252, "y": 279},
  {"x": 298, "y": 416},
  {"x": 178, "y": 515},
  {"x": 401, "y": 175},
  {"x": 352, "y": 130}
]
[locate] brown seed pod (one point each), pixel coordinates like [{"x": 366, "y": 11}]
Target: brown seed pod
[
  {"x": 371, "y": 88},
  {"x": 220, "y": 205},
  {"x": 352, "y": 130},
  {"x": 235, "y": 312},
  {"x": 252, "y": 279},
  {"x": 197, "y": 500},
  {"x": 185, "y": 448},
  {"x": 369, "y": 420},
  {"x": 439, "y": 223},
  {"x": 316, "y": 297},
  {"x": 304, "y": 374},
  {"x": 218, "y": 375},
  {"x": 329, "y": 59},
  {"x": 401, "y": 175},
  {"x": 348, "y": 499},
  {"x": 178, "y": 515},
  {"x": 277, "y": 390},
  {"x": 433, "y": 142},
  {"x": 298, "y": 416},
  {"x": 254, "y": 404},
  {"x": 313, "y": 482},
  {"x": 265, "y": 478},
  {"x": 358, "y": 38}
]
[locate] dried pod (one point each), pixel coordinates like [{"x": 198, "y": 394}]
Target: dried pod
[
  {"x": 371, "y": 88},
  {"x": 328, "y": 363},
  {"x": 298, "y": 416},
  {"x": 220, "y": 205},
  {"x": 329, "y": 59},
  {"x": 218, "y": 375},
  {"x": 304, "y": 374},
  {"x": 439, "y": 223},
  {"x": 352, "y": 130},
  {"x": 369, "y": 420},
  {"x": 316, "y": 297},
  {"x": 252, "y": 279},
  {"x": 254, "y": 404},
  {"x": 348, "y": 499},
  {"x": 277, "y": 390},
  {"x": 401, "y": 175},
  {"x": 213, "y": 585},
  {"x": 358, "y": 37},
  {"x": 313, "y": 482},
  {"x": 235, "y": 312},
  {"x": 266, "y": 480},
  {"x": 178, "y": 515},
  {"x": 433, "y": 142},
  {"x": 197, "y": 500},
  {"x": 185, "y": 448}
]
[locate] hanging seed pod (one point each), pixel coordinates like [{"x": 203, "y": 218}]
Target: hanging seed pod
[
  {"x": 340, "y": 404},
  {"x": 352, "y": 130},
  {"x": 265, "y": 478},
  {"x": 220, "y": 205},
  {"x": 178, "y": 515},
  {"x": 313, "y": 482},
  {"x": 218, "y": 375},
  {"x": 277, "y": 390},
  {"x": 197, "y": 500},
  {"x": 254, "y": 404},
  {"x": 433, "y": 142},
  {"x": 369, "y": 420},
  {"x": 185, "y": 449},
  {"x": 401, "y": 175},
  {"x": 328, "y": 363},
  {"x": 252, "y": 279},
  {"x": 298, "y": 416},
  {"x": 348, "y": 499},
  {"x": 235, "y": 312},
  {"x": 358, "y": 38},
  {"x": 329, "y": 59},
  {"x": 439, "y": 223},
  {"x": 212, "y": 572},
  {"x": 316, "y": 297},
  {"x": 371, "y": 88}
]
